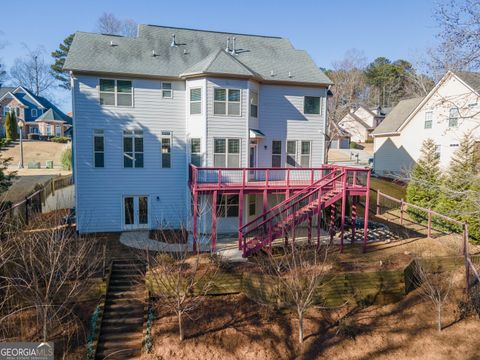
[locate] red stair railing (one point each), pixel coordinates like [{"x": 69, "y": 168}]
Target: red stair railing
[{"x": 292, "y": 210}]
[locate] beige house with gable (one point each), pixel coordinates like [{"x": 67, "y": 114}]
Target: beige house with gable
[
  {"x": 451, "y": 109},
  {"x": 360, "y": 122}
]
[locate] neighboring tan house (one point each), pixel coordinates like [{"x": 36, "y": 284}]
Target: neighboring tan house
[
  {"x": 146, "y": 107},
  {"x": 39, "y": 115},
  {"x": 361, "y": 121},
  {"x": 451, "y": 109},
  {"x": 339, "y": 138}
]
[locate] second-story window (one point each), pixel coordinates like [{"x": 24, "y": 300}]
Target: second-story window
[
  {"x": 311, "y": 105},
  {"x": 195, "y": 152},
  {"x": 453, "y": 117},
  {"x": 116, "y": 92},
  {"x": 98, "y": 148},
  {"x": 253, "y": 104},
  {"x": 33, "y": 112},
  {"x": 226, "y": 102},
  {"x": 276, "y": 153},
  {"x": 133, "y": 149},
  {"x": 166, "y": 149},
  {"x": 167, "y": 92},
  {"x": 428, "y": 120},
  {"x": 195, "y": 101},
  {"x": 226, "y": 153}
]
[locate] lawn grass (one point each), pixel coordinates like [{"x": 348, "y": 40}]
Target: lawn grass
[{"x": 389, "y": 187}]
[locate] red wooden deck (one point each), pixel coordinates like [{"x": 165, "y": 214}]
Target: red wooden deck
[{"x": 240, "y": 181}]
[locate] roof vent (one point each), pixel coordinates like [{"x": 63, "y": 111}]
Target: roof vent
[
  {"x": 174, "y": 42},
  {"x": 290, "y": 75},
  {"x": 234, "y": 50},
  {"x": 272, "y": 73},
  {"x": 227, "y": 49},
  {"x": 154, "y": 53},
  {"x": 112, "y": 43},
  {"x": 185, "y": 51}
]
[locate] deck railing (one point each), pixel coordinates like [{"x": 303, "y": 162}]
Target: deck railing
[{"x": 261, "y": 178}]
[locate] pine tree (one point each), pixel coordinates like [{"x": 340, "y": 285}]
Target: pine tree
[
  {"x": 8, "y": 126},
  {"x": 13, "y": 126},
  {"x": 60, "y": 55},
  {"x": 423, "y": 188},
  {"x": 461, "y": 187}
]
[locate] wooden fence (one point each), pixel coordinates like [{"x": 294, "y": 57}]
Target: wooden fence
[
  {"x": 33, "y": 203},
  {"x": 403, "y": 207}
]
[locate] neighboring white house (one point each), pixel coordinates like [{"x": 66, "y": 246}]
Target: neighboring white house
[
  {"x": 146, "y": 107},
  {"x": 360, "y": 122},
  {"x": 450, "y": 110}
]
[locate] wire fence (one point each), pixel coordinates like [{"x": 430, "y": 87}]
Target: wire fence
[{"x": 33, "y": 203}]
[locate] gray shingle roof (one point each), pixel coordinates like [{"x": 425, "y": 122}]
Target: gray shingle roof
[
  {"x": 5, "y": 89},
  {"x": 52, "y": 115},
  {"x": 397, "y": 116},
  {"x": 197, "y": 49},
  {"x": 471, "y": 78}
]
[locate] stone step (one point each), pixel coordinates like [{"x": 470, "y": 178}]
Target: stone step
[{"x": 119, "y": 354}]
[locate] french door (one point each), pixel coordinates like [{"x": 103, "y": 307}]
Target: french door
[{"x": 135, "y": 212}]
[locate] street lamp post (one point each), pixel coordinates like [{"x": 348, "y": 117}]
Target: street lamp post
[{"x": 20, "y": 126}]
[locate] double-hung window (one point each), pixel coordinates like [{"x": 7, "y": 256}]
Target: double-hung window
[
  {"x": 166, "y": 149},
  {"x": 311, "y": 105},
  {"x": 226, "y": 153},
  {"x": 167, "y": 92},
  {"x": 253, "y": 104},
  {"x": 98, "y": 148},
  {"x": 133, "y": 149},
  {"x": 291, "y": 153},
  {"x": 276, "y": 153},
  {"x": 453, "y": 117},
  {"x": 195, "y": 152},
  {"x": 226, "y": 102},
  {"x": 438, "y": 149},
  {"x": 428, "y": 120},
  {"x": 227, "y": 205},
  {"x": 195, "y": 101},
  {"x": 116, "y": 92}
]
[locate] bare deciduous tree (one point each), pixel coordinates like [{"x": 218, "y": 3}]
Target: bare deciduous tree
[
  {"x": 108, "y": 23},
  {"x": 179, "y": 280},
  {"x": 49, "y": 267},
  {"x": 435, "y": 285},
  {"x": 33, "y": 72},
  {"x": 298, "y": 274}
]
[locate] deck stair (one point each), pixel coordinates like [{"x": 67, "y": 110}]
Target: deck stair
[
  {"x": 122, "y": 322},
  {"x": 292, "y": 212}
]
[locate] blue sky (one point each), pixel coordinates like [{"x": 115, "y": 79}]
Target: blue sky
[{"x": 326, "y": 29}]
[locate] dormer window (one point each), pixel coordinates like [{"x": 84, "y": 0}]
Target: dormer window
[{"x": 34, "y": 113}]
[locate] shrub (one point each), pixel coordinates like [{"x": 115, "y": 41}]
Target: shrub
[
  {"x": 60, "y": 139},
  {"x": 353, "y": 145},
  {"x": 33, "y": 136},
  {"x": 66, "y": 159}
]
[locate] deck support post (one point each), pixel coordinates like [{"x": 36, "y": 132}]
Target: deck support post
[
  {"x": 240, "y": 218},
  {"x": 195, "y": 215},
  {"x": 344, "y": 205},
  {"x": 331, "y": 229},
  {"x": 353, "y": 217},
  {"x": 214, "y": 221},
  {"x": 365, "y": 221},
  {"x": 310, "y": 228},
  {"x": 265, "y": 205}
]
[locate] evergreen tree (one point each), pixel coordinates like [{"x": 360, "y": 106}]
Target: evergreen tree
[
  {"x": 13, "y": 126},
  {"x": 461, "y": 187},
  {"x": 59, "y": 56},
  {"x": 8, "y": 125},
  {"x": 424, "y": 185}
]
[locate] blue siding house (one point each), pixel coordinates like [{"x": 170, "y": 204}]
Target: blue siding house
[{"x": 145, "y": 108}]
